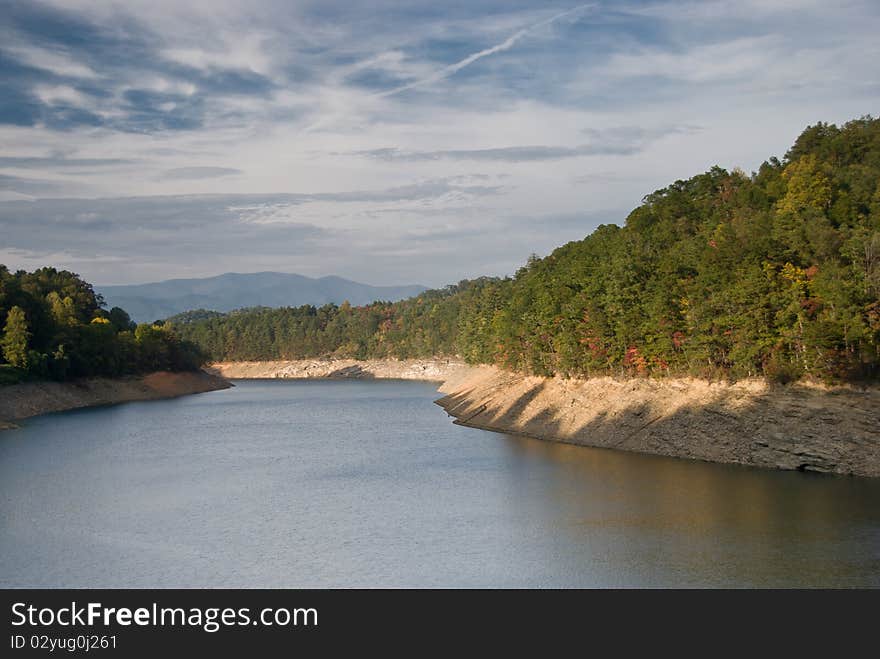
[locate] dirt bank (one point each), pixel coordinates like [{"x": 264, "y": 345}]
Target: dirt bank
[
  {"x": 20, "y": 401},
  {"x": 805, "y": 427},
  {"x": 436, "y": 370}
]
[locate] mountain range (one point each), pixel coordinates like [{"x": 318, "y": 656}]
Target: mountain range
[{"x": 157, "y": 300}]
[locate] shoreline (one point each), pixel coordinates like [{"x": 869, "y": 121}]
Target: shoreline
[
  {"x": 29, "y": 399},
  {"x": 802, "y": 427},
  {"x": 429, "y": 370}
]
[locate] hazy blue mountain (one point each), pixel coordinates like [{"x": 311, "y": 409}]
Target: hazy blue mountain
[{"x": 148, "y": 302}]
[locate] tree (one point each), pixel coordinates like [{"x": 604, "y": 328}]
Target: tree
[
  {"x": 121, "y": 320},
  {"x": 15, "y": 338},
  {"x": 63, "y": 310}
]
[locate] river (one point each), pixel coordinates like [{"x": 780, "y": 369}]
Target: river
[{"x": 367, "y": 483}]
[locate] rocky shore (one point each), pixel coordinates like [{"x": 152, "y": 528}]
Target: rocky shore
[
  {"x": 20, "y": 401},
  {"x": 436, "y": 370},
  {"x": 803, "y": 426}
]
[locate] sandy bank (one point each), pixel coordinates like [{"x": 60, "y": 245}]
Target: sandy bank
[
  {"x": 437, "y": 370},
  {"x": 805, "y": 427},
  {"x": 20, "y": 401}
]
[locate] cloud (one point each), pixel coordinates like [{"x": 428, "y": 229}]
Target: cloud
[
  {"x": 68, "y": 69},
  {"x": 51, "y": 62},
  {"x": 735, "y": 58},
  {"x": 27, "y": 186},
  {"x": 68, "y": 222},
  {"x": 208, "y": 232},
  {"x": 38, "y": 162},
  {"x": 616, "y": 141},
  {"x": 150, "y": 234},
  {"x": 199, "y": 172},
  {"x": 507, "y": 44},
  {"x": 528, "y": 153}
]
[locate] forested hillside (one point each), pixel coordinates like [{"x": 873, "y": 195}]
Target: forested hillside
[
  {"x": 53, "y": 326},
  {"x": 727, "y": 274}
]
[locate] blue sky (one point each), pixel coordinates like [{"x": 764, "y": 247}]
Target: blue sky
[{"x": 389, "y": 142}]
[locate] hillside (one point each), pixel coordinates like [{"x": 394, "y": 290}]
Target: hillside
[
  {"x": 727, "y": 274},
  {"x": 149, "y": 302}
]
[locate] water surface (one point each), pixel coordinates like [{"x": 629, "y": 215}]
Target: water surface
[{"x": 352, "y": 483}]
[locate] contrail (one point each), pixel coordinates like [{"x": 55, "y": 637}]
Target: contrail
[{"x": 507, "y": 44}]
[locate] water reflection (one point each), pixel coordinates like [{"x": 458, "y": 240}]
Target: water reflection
[{"x": 705, "y": 523}]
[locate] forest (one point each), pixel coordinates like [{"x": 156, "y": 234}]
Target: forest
[
  {"x": 724, "y": 275},
  {"x": 54, "y": 327}
]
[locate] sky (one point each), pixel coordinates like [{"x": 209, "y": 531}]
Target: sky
[{"x": 389, "y": 142}]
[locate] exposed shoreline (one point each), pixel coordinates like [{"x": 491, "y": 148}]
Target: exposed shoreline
[
  {"x": 805, "y": 427},
  {"x": 431, "y": 370},
  {"x": 21, "y": 401}
]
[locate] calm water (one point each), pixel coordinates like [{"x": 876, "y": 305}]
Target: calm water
[{"x": 346, "y": 483}]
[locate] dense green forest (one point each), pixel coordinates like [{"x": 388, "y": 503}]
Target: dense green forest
[
  {"x": 726, "y": 274},
  {"x": 54, "y": 327}
]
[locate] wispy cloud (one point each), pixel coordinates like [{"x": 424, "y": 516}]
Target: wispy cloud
[
  {"x": 507, "y": 44},
  {"x": 199, "y": 172},
  {"x": 616, "y": 141},
  {"x": 501, "y": 154},
  {"x": 56, "y": 63},
  {"x": 37, "y": 162},
  {"x": 27, "y": 186}
]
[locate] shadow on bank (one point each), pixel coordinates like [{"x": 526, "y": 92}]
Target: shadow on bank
[{"x": 792, "y": 427}]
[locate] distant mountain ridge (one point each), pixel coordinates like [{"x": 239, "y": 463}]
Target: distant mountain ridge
[{"x": 148, "y": 302}]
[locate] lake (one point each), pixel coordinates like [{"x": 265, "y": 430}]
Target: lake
[{"x": 368, "y": 483}]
